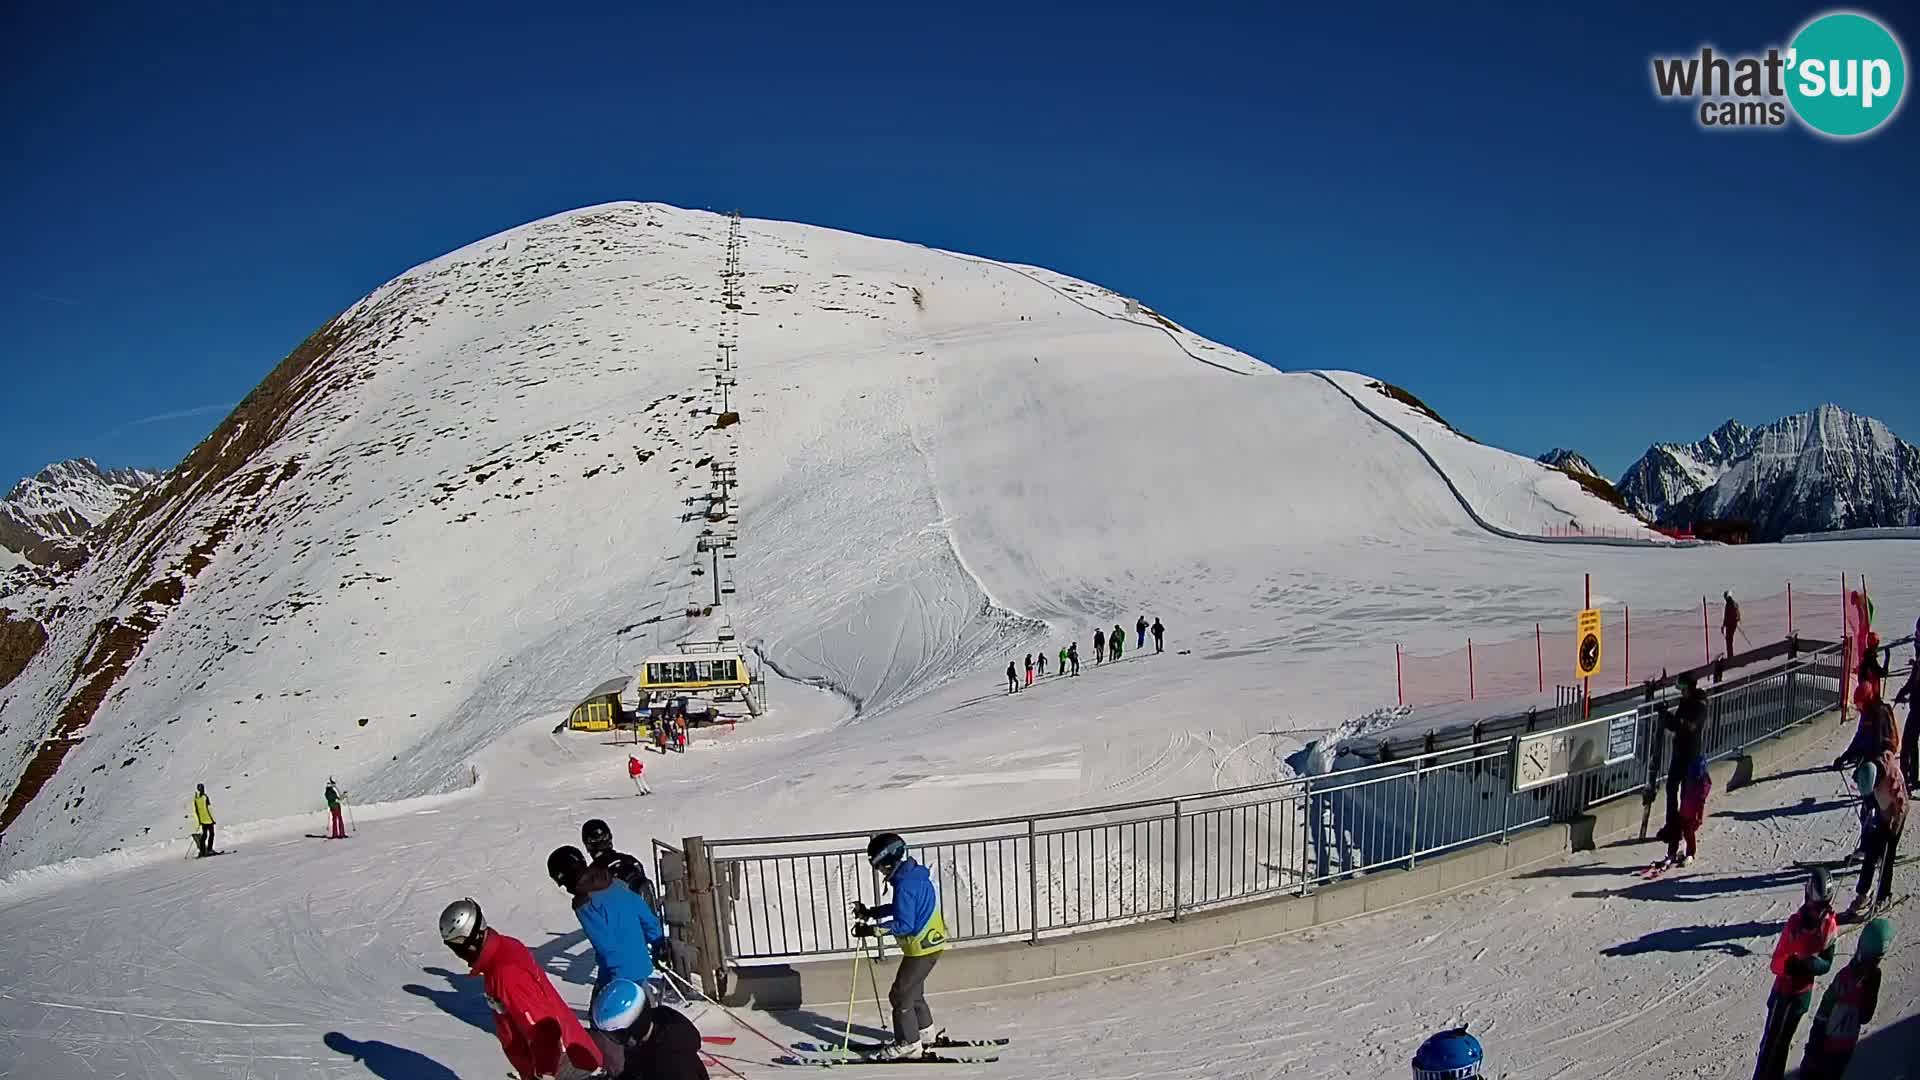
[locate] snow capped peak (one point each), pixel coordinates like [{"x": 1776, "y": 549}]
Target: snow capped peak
[
  {"x": 47, "y": 513},
  {"x": 1816, "y": 471},
  {"x": 1568, "y": 461}
]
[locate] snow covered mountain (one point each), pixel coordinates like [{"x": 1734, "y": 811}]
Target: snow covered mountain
[
  {"x": 482, "y": 490},
  {"x": 45, "y": 515},
  {"x": 1568, "y": 461},
  {"x": 1816, "y": 471},
  {"x": 1671, "y": 473}
]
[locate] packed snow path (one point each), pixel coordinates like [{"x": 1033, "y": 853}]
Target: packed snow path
[{"x": 309, "y": 958}]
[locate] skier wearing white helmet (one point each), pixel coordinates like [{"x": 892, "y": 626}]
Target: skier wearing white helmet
[{"x": 539, "y": 1033}]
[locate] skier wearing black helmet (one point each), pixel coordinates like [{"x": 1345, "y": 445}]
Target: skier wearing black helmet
[
  {"x": 619, "y": 924},
  {"x": 913, "y": 918},
  {"x": 597, "y": 837}
]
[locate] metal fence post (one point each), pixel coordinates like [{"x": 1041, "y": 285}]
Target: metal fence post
[
  {"x": 1033, "y": 881},
  {"x": 1178, "y": 846},
  {"x": 1413, "y": 826},
  {"x": 709, "y": 949}
]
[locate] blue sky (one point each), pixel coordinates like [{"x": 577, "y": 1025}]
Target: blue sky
[{"x": 1490, "y": 209}]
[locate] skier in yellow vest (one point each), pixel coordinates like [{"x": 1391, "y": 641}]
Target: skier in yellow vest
[
  {"x": 913, "y": 918},
  {"x": 203, "y": 817}
]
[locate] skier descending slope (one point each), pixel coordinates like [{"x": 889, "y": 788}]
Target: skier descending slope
[
  {"x": 1013, "y": 678},
  {"x": 1448, "y": 1055},
  {"x": 654, "y": 1042},
  {"x": 535, "y": 1027},
  {"x": 914, "y": 920},
  {"x": 1803, "y": 954},
  {"x": 203, "y": 817}
]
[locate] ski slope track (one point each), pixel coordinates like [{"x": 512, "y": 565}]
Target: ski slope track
[{"x": 464, "y": 501}]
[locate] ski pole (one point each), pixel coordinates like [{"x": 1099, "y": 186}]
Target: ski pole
[
  {"x": 730, "y": 1014},
  {"x": 853, "y": 993},
  {"x": 350, "y": 821},
  {"x": 874, "y": 979}
]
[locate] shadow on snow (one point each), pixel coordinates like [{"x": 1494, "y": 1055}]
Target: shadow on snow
[{"x": 390, "y": 1062}]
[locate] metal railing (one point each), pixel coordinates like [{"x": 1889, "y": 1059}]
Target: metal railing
[{"x": 1066, "y": 871}]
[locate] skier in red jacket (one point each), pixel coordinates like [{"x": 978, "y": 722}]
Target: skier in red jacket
[
  {"x": 1803, "y": 954},
  {"x": 540, "y": 1034}
]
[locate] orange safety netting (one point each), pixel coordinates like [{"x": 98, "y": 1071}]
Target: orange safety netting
[{"x": 1637, "y": 647}]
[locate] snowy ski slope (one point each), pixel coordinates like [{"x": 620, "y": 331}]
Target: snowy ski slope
[
  {"x": 478, "y": 487},
  {"x": 469, "y": 513}
]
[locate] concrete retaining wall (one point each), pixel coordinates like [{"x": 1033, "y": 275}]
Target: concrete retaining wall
[{"x": 1061, "y": 961}]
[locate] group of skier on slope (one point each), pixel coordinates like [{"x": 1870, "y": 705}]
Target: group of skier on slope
[
  {"x": 1107, "y": 645},
  {"x": 635, "y": 1035},
  {"x": 202, "y": 816}
]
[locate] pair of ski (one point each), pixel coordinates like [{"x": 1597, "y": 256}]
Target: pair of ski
[
  {"x": 1653, "y": 872},
  {"x": 974, "y": 1052}
]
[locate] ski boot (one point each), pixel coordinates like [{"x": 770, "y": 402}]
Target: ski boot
[{"x": 897, "y": 1051}]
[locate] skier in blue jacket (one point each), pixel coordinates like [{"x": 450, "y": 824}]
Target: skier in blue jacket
[
  {"x": 619, "y": 922},
  {"x": 914, "y": 920}
]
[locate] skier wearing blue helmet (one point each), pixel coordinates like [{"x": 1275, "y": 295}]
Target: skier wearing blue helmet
[
  {"x": 1448, "y": 1055},
  {"x": 652, "y": 1041}
]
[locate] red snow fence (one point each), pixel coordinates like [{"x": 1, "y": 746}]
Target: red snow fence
[{"x": 1638, "y": 645}]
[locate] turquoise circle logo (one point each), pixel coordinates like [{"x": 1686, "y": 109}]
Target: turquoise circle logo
[{"x": 1847, "y": 74}]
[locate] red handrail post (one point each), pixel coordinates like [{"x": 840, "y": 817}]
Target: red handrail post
[
  {"x": 1626, "y": 669},
  {"x": 1789, "y": 609},
  {"x": 1539, "y": 660},
  {"x": 1470, "y": 694}
]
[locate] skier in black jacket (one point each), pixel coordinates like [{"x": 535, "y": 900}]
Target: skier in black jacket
[
  {"x": 652, "y": 1041},
  {"x": 1684, "y": 723},
  {"x": 597, "y": 837}
]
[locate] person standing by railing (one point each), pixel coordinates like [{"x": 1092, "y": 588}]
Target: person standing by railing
[
  {"x": 1685, "y": 724},
  {"x": 1320, "y": 805},
  {"x": 914, "y": 920}
]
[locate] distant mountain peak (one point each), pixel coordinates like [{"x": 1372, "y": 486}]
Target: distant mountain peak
[
  {"x": 1815, "y": 471},
  {"x": 43, "y": 518},
  {"x": 1568, "y": 461}
]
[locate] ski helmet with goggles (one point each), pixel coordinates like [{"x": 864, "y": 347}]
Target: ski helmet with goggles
[
  {"x": 1448, "y": 1055},
  {"x": 885, "y": 851},
  {"x": 596, "y": 836},
  {"x": 462, "y": 925},
  {"x": 565, "y": 866},
  {"x": 1819, "y": 888}
]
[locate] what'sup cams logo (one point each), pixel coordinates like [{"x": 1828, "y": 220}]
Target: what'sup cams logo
[{"x": 1843, "y": 76}]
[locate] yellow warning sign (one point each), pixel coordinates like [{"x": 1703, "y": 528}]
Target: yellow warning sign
[{"x": 1586, "y": 656}]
